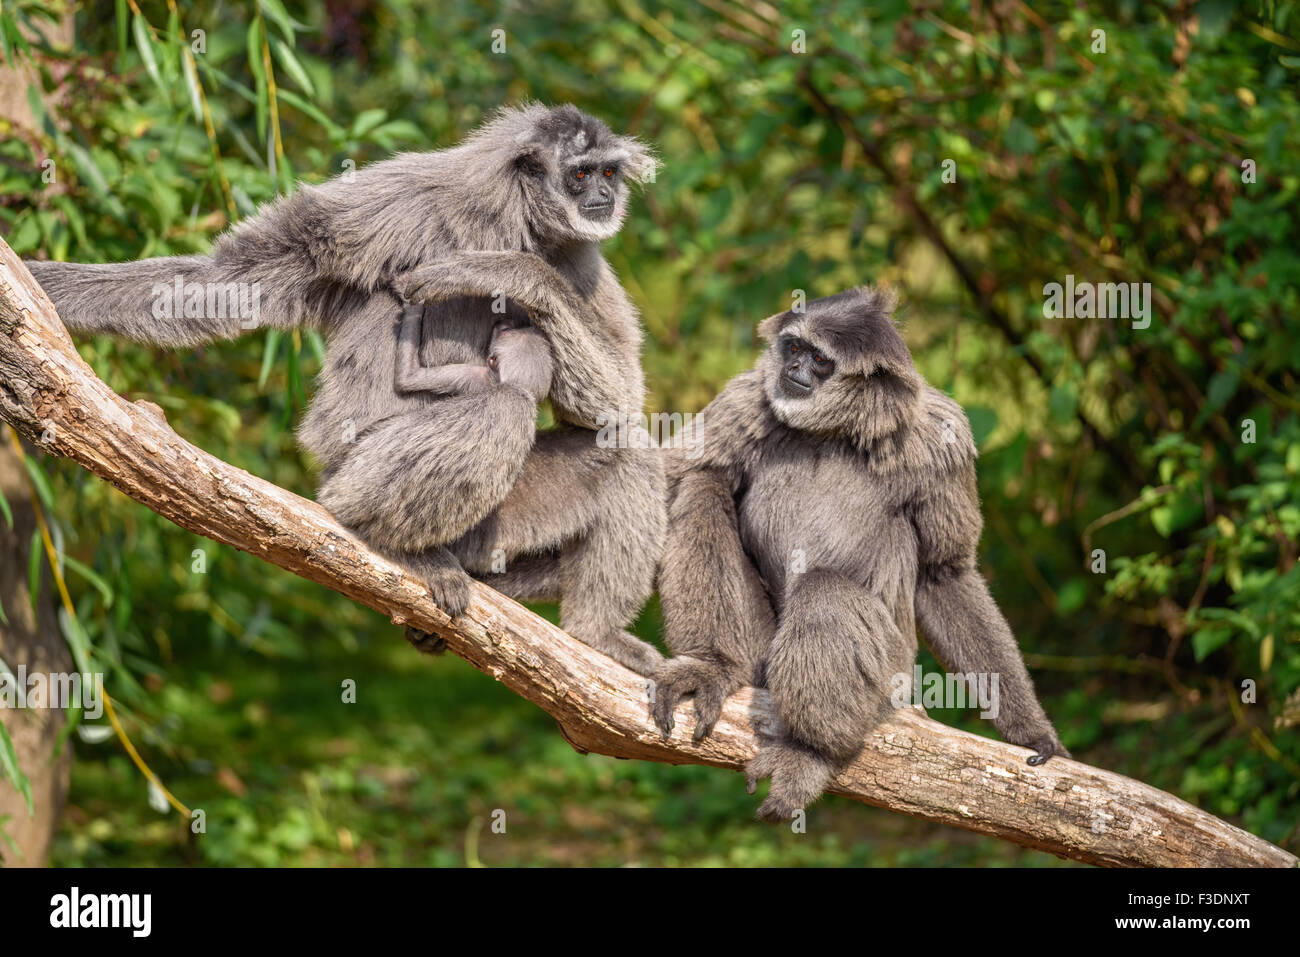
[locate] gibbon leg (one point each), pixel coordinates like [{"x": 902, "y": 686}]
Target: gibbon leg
[
  {"x": 424, "y": 477},
  {"x": 717, "y": 617},
  {"x": 553, "y": 501},
  {"x": 526, "y": 578},
  {"x": 419, "y": 480},
  {"x": 608, "y": 573},
  {"x": 601, "y": 510},
  {"x": 831, "y": 674}
]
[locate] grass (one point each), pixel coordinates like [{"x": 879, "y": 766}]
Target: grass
[{"x": 434, "y": 764}]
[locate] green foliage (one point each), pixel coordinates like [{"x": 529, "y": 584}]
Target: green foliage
[{"x": 784, "y": 171}]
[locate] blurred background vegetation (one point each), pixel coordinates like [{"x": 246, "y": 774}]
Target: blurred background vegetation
[{"x": 792, "y": 160}]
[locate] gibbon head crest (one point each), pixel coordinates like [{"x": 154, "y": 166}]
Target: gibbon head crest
[
  {"x": 572, "y": 170},
  {"x": 840, "y": 367}
]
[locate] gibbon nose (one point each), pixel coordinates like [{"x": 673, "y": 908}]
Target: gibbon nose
[{"x": 600, "y": 195}]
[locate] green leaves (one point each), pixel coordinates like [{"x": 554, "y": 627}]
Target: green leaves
[
  {"x": 257, "y": 68},
  {"x": 285, "y": 56},
  {"x": 11, "y": 771},
  {"x": 145, "y": 47},
  {"x": 1123, "y": 167}
]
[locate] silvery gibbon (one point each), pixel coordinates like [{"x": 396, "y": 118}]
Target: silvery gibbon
[
  {"x": 828, "y": 509},
  {"x": 505, "y": 225}
]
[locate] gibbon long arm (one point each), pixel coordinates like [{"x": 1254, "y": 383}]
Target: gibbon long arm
[{"x": 910, "y": 764}]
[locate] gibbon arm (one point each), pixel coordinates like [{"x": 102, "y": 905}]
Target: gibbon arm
[
  {"x": 962, "y": 624},
  {"x": 718, "y": 622},
  {"x": 256, "y": 277}
]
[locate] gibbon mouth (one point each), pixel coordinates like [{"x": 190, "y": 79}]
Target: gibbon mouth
[
  {"x": 598, "y": 210},
  {"x": 793, "y": 389}
]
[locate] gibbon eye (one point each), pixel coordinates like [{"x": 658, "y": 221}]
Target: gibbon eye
[
  {"x": 819, "y": 359},
  {"x": 608, "y": 172},
  {"x": 580, "y": 173},
  {"x": 492, "y": 361},
  {"x": 794, "y": 347}
]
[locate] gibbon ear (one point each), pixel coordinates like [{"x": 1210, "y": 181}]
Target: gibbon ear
[
  {"x": 641, "y": 164},
  {"x": 770, "y": 327},
  {"x": 529, "y": 162}
]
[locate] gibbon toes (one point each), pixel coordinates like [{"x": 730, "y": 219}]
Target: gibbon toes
[
  {"x": 798, "y": 779},
  {"x": 426, "y": 642},
  {"x": 1043, "y": 749},
  {"x": 679, "y": 677},
  {"x": 777, "y": 808},
  {"x": 448, "y": 584},
  {"x": 1038, "y": 736}
]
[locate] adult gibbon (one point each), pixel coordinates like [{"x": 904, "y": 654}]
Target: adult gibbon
[
  {"x": 508, "y": 223},
  {"x": 829, "y": 508}
]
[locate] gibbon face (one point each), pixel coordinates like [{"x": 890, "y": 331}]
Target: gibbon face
[
  {"x": 576, "y": 174},
  {"x": 839, "y": 367}
]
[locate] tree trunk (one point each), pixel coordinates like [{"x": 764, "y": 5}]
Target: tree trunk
[
  {"x": 32, "y": 640},
  {"x": 29, "y": 639}
]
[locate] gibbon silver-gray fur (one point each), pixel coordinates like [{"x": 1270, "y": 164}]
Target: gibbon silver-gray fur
[
  {"x": 510, "y": 219},
  {"x": 518, "y": 357},
  {"x": 494, "y": 402},
  {"x": 828, "y": 509},
  {"x": 517, "y": 375}
]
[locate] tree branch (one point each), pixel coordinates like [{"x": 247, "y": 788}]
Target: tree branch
[{"x": 910, "y": 764}]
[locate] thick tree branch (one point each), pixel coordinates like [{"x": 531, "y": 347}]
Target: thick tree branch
[{"x": 911, "y": 764}]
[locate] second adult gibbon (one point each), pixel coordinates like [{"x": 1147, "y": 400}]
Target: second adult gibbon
[
  {"x": 828, "y": 508},
  {"x": 512, "y": 216}
]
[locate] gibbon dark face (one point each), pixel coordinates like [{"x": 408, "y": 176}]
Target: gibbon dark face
[
  {"x": 804, "y": 368},
  {"x": 576, "y": 173},
  {"x": 593, "y": 188},
  {"x": 839, "y": 367}
]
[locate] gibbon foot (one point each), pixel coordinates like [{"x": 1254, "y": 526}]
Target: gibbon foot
[
  {"x": 426, "y": 642},
  {"x": 682, "y": 676},
  {"x": 798, "y": 778},
  {"x": 448, "y": 584},
  {"x": 449, "y": 589},
  {"x": 1044, "y": 747}
]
